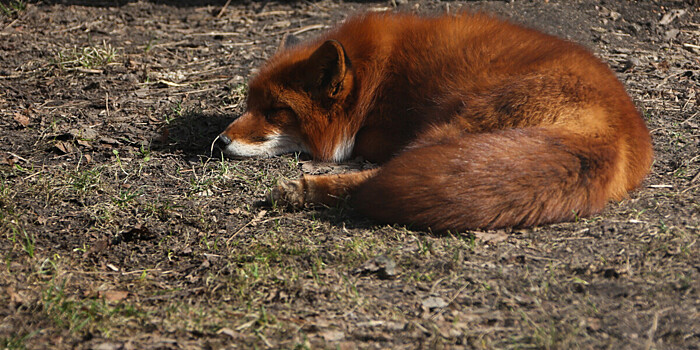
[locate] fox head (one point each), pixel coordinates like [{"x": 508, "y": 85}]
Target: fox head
[{"x": 298, "y": 102}]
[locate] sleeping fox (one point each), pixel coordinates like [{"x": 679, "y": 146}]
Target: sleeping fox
[{"x": 475, "y": 122}]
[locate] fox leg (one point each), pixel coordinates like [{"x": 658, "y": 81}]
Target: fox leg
[{"x": 319, "y": 189}]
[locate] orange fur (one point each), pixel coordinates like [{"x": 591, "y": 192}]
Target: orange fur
[{"x": 477, "y": 122}]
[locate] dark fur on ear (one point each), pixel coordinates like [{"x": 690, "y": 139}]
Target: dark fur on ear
[{"x": 331, "y": 64}]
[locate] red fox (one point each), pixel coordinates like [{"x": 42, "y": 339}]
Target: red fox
[{"x": 477, "y": 123}]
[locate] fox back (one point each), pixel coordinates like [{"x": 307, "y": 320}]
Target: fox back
[{"x": 476, "y": 122}]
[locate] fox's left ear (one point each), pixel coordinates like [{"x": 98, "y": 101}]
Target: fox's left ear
[{"x": 330, "y": 65}]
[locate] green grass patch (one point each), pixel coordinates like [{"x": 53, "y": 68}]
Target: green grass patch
[
  {"x": 16, "y": 341},
  {"x": 74, "y": 314},
  {"x": 89, "y": 57},
  {"x": 12, "y": 8}
]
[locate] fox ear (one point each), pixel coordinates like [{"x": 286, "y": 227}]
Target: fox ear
[
  {"x": 330, "y": 63},
  {"x": 288, "y": 41}
]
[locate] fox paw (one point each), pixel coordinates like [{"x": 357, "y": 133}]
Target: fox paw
[{"x": 289, "y": 193}]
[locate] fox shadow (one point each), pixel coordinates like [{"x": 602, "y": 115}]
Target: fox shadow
[
  {"x": 192, "y": 134},
  {"x": 345, "y": 217}
]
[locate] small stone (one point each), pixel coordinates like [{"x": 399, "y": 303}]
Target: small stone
[
  {"x": 434, "y": 303},
  {"x": 381, "y": 265}
]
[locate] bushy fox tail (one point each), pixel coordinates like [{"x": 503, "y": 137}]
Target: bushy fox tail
[{"x": 516, "y": 177}]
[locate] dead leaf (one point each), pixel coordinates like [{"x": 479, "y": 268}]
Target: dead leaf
[
  {"x": 84, "y": 134},
  {"x": 109, "y": 141},
  {"x": 170, "y": 83},
  {"x": 395, "y": 326},
  {"x": 22, "y": 119},
  {"x": 206, "y": 193},
  {"x": 83, "y": 143},
  {"x": 109, "y": 346},
  {"x": 63, "y": 147},
  {"x": 239, "y": 211},
  {"x": 382, "y": 265},
  {"x": 230, "y": 332},
  {"x": 315, "y": 168},
  {"x": 670, "y": 16},
  {"x": 433, "y": 303},
  {"x": 332, "y": 335},
  {"x": 115, "y": 295},
  {"x": 592, "y": 324},
  {"x": 8, "y": 160},
  {"x": 14, "y": 296},
  {"x": 98, "y": 246},
  {"x": 257, "y": 218},
  {"x": 205, "y": 264},
  {"x": 491, "y": 237}
]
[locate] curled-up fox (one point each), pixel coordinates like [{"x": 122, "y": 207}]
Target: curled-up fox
[{"x": 476, "y": 122}]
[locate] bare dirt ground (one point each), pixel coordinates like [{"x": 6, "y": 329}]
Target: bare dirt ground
[{"x": 119, "y": 229}]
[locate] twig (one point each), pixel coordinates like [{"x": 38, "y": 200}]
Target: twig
[
  {"x": 262, "y": 6},
  {"x": 689, "y": 118},
  {"x": 201, "y": 61},
  {"x": 245, "y": 43},
  {"x": 209, "y": 81},
  {"x": 691, "y": 187},
  {"x": 87, "y": 70},
  {"x": 18, "y": 157},
  {"x": 216, "y": 34},
  {"x": 262, "y": 337},
  {"x": 687, "y": 102},
  {"x": 271, "y": 219},
  {"x": 273, "y": 13},
  {"x": 32, "y": 175},
  {"x": 652, "y": 329},
  {"x": 300, "y": 30},
  {"x": 194, "y": 91},
  {"x": 223, "y": 9},
  {"x": 308, "y": 28},
  {"x": 452, "y": 299},
  {"x": 172, "y": 43},
  {"x": 253, "y": 221},
  {"x": 661, "y": 186},
  {"x": 208, "y": 71},
  {"x": 80, "y": 26},
  {"x": 147, "y": 270},
  {"x": 11, "y": 23}
]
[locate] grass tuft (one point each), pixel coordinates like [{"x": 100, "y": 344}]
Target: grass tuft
[
  {"x": 12, "y": 8},
  {"x": 89, "y": 57},
  {"x": 74, "y": 314}
]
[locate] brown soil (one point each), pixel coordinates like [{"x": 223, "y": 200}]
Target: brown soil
[{"x": 119, "y": 230}]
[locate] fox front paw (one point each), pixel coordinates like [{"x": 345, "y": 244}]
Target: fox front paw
[{"x": 289, "y": 193}]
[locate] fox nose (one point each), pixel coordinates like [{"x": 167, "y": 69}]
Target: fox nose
[{"x": 222, "y": 141}]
